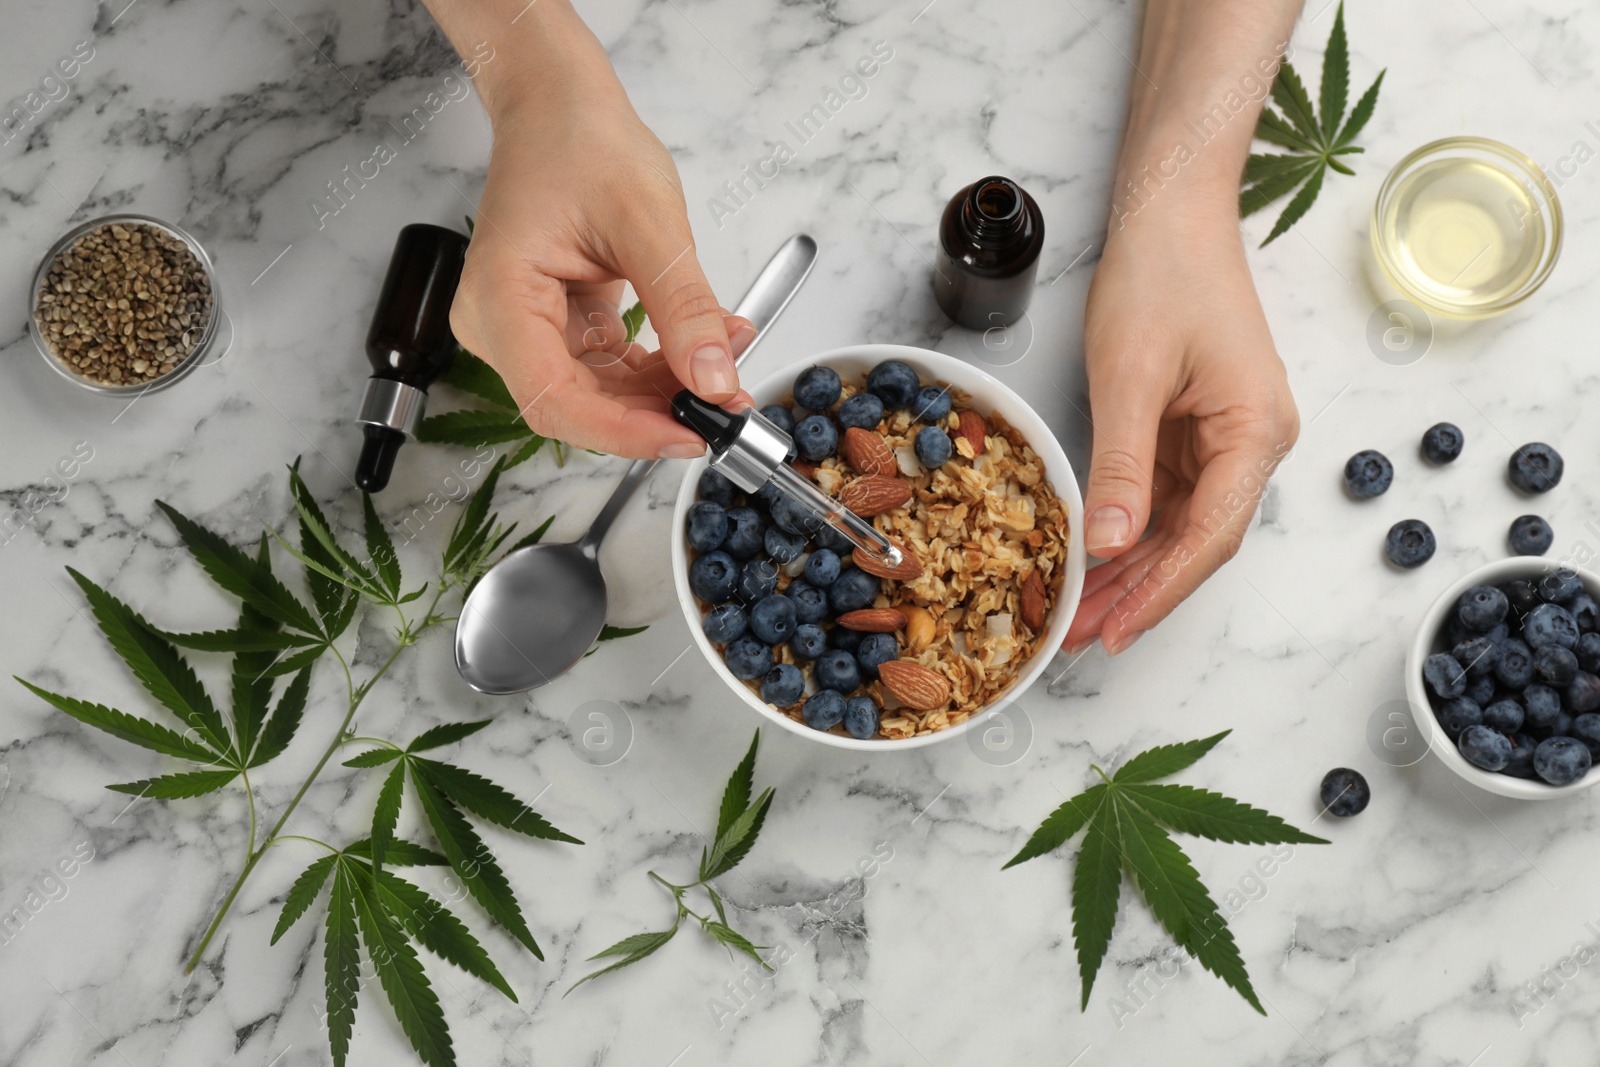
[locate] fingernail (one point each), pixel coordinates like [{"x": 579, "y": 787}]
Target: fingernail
[
  {"x": 1109, "y": 526},
  {"x": 1125, "y": 642},
  {"x": 712, "y": 372},
  {"x": 686, "y": 450},
  {"x": 740, "y": 339},
  {"x": 1082, "y": 646}
]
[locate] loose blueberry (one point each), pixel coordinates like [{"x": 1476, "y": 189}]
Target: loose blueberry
[
  {"x": 875, "y": 650},
  {"x": 1480, "y": 690},
  {"x": 1555, "y": 665},
  {"x": 833, "y": 540},
  {"x": 781, "y": 545},
  {"x": 817, "y": 437},
  {"x": 773, "y": 619},
  {"x": 1345, "y": 792},
  {"x": 1483, "y": 747},
  {"x": 745, "y": 531},
  {"x": 862, "y": 412},
  {"x": 843, "y": 637},
  {"x": 1561, "y": 760},
  {"x": 1582, "y": 693},
  {"x": 932, "y": 403},
  {"x": 1589, "y": 651},
  {"x": 723, "y": 623},
  {"x": 713, "y": 576},
  {"x": 1503, "y": 715},
  {"x": 747, "y": 658},
  {"x": 1444, "y": 675},
  {"x": 780, "y": 417},
  {"x": 1541, "y": 707},
  {"x": 1535, "y": 468},
  {"x": 783, "y": 686},
  {"x": 765, "y": 496},
  {"x": 715, "y": 487},
  {"x": 895, "y": 383},
  {"x": 1456, "y": 715},
  {"x": 1481, "y": 608},
  {"x": 708, "y": 525},
  {"x": 1515, "y": 669},
  {"x": 1550, "y": 624},
  {"x": 757, "y": 580},
  {"x": 1368, "y": 474},
  {"x": 837, "y": 670},
  {"x": 861, "y": 717},
  {"x": 810, "y": 603},
  {"x": 824, "y": 710},
  {"x": 1477, "y": 656},
  {"x": 1442, "y": 442},
  {"x": 817, "y": 388},
  {"x": 1562, "y": 726},
  {"x": 1521, "y": 763},
  {"x": 1585, "y": 612},
  {"x": 809, "y": 641},
  {"x": 790, "y": 517},
  {"x": 1530, "y": 536},
  {"x": 1410, "y": 543},
  {"x": 1522, "y": 595},
  {"x": 1559, "y": 586},
  {"x": 822, "y": 567},
  {"x": 854, "y": 590},
  {"x": 933, "y": 447},
  {"x": 1586, "y": 728}
]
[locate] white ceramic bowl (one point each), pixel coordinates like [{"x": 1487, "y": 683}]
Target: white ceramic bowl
[
  {"x": 987, "y": 395},
  {"x": 1430, "y": 638}
]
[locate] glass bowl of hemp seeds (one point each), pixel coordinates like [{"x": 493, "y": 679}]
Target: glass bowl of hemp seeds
[{"x": 125, "y": 304}]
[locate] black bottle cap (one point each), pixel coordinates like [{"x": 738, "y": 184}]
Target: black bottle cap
[
  {"x": 720, "y": 428},
  {"x": 378, "y": 452}
]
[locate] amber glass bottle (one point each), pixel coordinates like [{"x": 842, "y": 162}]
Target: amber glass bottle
[{"x": 989, "y": 242}]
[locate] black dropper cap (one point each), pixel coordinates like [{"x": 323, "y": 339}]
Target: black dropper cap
[
  {"x": 410, "y": 344},
  {"x": 718, "y": 426}
]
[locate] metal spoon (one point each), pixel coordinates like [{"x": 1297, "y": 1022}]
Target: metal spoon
[{"x": 536, "y": 612}]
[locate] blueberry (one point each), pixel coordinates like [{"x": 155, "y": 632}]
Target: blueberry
[
  {"x": 1555, "y": 665},
  {"x": 765, "y": 496},
  {"x": 876, "y": 649},
  {"x": 783, "y": 686},
  {"x": 1410, "y": 543},
  {"x": 1522, "y": 596},
  {"x": 1503, "y": 715},
  {"x": 861, "y": 717},
  {"x": 1456, "y": 715},
  {"x": 781, "y": 545},
  {"x": 757, "y": 580},
  {"x": 779, "y": 416},
  {"x": 745, "y": 530},
  {"x": 1582, "y": 693},
  {"x": 932, "y": 404},
  {"x": 747, "y": 658},
  {"x": 810, "y": 603},
  {"x": 1442, "y": 442},
  {"x": 862, "y": 412},
  {"x": 854, "y": 590},
  {"x": 1368, "y": 474},
  {"x": 895, "y": 383},
  {"x": 1559, "y": 586},
  {"x": 1477, "y": 656},
  {"x": 713, "y": 576},
  {"x": 817, "y": 388},
  {"x": 1585, "y": 612},
  {"x": 933, "y": 447},
  {"x": 1530, "y": 536},
  {"x": 1535, "y": 468},
  {"x": 1481, "y": 608},
  {"x": 809, "y": 641},
  {"x": 1480, "y": 690},
  {"x": 790, "y": 517},
  {"x": 1521, "y": 762},
  {"x": 1541, "y": 707},
  {"x": 1589, "y": 651},
  {"x": 1345, "y": 792},
  {"x": 1499, "y": 633},
  {"x": 837, "y": 670},
  {"x": 1550, "y": 624},
  {"x": 824, "y": 710},
  {"x": 1515, "y": 669},
  {"x": 1485, "y": 748},
  {"x": 708, "y": 525},
  {"x": 845, "y": 638},
  {"x": 1586, "y": 728},
  {"x": 773, "y": 619},
  {"x": 817, "y": 437},
  {"x": 715, "y": 487},
  {"x": 1562, "y": 727},
  {"x": 834, "y": 541},
  {"x": 1444, "y": 675},
  {"x": 822, "y": 567},
  {"x": 723, "y": 623},
  {"x": 1561, "y": 760}
]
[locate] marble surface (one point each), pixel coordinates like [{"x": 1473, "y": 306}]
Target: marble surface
[{"x": 1411, "y": 939}]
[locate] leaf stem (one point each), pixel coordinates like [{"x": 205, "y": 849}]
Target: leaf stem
[{"x": 297, "y": 837}]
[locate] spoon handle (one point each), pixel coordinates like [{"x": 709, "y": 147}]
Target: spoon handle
[{"x": 762, "y": 303}]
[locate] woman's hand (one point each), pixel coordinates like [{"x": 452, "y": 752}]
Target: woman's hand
[
  {"x": 580, "y": 196},
  {"x": 1191, "y": 409}
]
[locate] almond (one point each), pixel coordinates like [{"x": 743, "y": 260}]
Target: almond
[
  {"x": 866, "y": 452},
  {"x": 914, "y": 685},
  {"x": 873, "y": 620},
  {"x": 971, "y": 429},
  {"x": 1033, "y": 601},
  {"x": 919, "y": 627},
  {"x": 910, "y": 566},
  {"x": 874, "y": 494}
]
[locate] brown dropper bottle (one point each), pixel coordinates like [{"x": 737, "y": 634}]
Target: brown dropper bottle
[{"x": 989, "y": 242}]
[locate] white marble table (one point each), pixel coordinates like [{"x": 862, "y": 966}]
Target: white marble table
[{"x": 1405, "y": 941}]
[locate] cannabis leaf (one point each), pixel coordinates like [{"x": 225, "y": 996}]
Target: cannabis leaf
[
  {"x": 1126, "y": 819},
  {"x": 739, "y": 823},
  {"x": 1316, "y": 143}
]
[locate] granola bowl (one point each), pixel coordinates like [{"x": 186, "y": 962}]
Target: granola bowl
[{"x": 994, "y": 528}]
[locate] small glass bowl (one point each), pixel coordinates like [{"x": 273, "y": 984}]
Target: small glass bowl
[
  {"x": 1538, "y": 226},
  {"x": 208, "y": 331}
]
